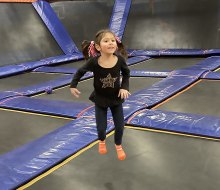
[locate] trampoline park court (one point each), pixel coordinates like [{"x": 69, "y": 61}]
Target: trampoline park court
[{"x": 48, "y": 138}]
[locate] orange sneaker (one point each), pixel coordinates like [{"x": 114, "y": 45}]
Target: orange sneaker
[
  {"x": 120, "y": 152},
  {"x": 102, "y": 147}
]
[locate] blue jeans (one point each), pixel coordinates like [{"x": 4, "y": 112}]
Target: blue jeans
[{"x": 101, "y": 122}]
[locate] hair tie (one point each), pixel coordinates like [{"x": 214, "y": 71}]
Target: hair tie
[
  {"x": 91, "y": 49},
  {"x": 117, "y": 39}
]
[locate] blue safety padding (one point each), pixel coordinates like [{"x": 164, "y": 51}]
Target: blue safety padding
[
  {"x": 8, "y": 94},
  {"x": 34, "y": 89},
  {"x": 45, "y": 106},
  {"x": 142, "y": 73},
  {"x": 188, "y": 72},
  {"x": 63, "y": 58},
  {"x": 119, "y": 17},
  {"x": 28, "y": 161},
  {"x": 212, "y": 51},
  {"x": 54, "y": 25},
  {"x": 181, "y": 52},
  {"x": 174, "y": 52},
  {"x": 132, "y": 52},
  {"x": 200, "y": 125},
  {"x": 134, "y": 60},
  {"x": 38, "y": 88},
  {"x": 158, "y": 92},
  {"x": 89, "y": 112},
  {"x": 188, "y": 52},
  {"x": 208, "y": 64},
  {"x": 42, "y": 87},
  {"x": 56, "y": 70},
  {"x": 128, "y": 110},
  {"x": 133, "y": 73},
  {"x": 15, "y": 69},
  {"x": 130, "y": 61},
  {"x": 211, "y": 75}
]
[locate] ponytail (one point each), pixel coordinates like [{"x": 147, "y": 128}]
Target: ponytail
[
  {"x": 85, "y": 47},
  {"x": 122, "y": 51},
  {"x": 88, "y": 49}
]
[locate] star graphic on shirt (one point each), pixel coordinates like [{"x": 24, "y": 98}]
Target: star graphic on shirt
[{"x": 108, "y": 81}]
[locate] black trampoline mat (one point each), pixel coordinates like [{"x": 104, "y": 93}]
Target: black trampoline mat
[
  {"x": 73, "y": 64},
  {"x": 173, "y": 24},
  {"x": 24, "y": 36},
  {"x": 164, "y": 64},
  {"x": 203, "y": 98},
  {"x": 25, "y": 79},
  {"x": 19, "y": 128},
  {"x": 86, "y": 88},
  {"x": 155, "y": 161},
  {"x": 82, "y": 19}
]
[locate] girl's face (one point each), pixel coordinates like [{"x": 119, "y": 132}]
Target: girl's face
[{"x": 108, "y": 44}]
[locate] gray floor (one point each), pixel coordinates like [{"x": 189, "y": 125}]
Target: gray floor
[
  {"x": 154, "y": 161},
  {"x": 166, "y": 64},
  {"x": 202, "y": 98},
  {"x": 24, "y": 128},
  {"x": 26, "y": 79}
]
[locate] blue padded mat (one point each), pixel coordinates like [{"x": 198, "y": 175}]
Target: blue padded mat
[
  {"x": 28, "y": 161},
  {"x": 200, "y": 125}
]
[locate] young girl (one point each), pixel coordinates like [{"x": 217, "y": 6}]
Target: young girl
[{"x": 106, "y": 59}]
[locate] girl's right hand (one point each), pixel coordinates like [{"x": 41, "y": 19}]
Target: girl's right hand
[{"x": 75, "y": 92}]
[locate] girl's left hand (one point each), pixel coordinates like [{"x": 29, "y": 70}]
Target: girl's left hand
[{"x": 123, "y": 94}]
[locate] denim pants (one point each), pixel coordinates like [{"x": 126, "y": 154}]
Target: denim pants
[{"x": 101, "y": 122}]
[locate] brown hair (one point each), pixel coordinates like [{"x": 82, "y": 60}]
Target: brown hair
[{"x": 98, "y": 37}]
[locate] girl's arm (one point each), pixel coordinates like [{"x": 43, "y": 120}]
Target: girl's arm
[
  {"x": 124, "y": 91},
  {"x": 80, "y": 72},
  {"x": 78, "y": 75},
  {"x": 125, "y": 76}
]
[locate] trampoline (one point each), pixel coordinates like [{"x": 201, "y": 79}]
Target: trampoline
[
  {"x": 167, "y": 64},
  {"x": 48, "y": 140},
  {"x": 21, "y": 45},
  {"x": 26, "y": 80},
  {"x": 24, "y": 128},
  {"x": 194, "y": 100},
  {"x": 86, "y": 88}
]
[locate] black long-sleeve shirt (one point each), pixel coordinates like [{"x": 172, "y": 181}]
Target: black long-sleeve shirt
[{"x": 106, "y": 81}]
